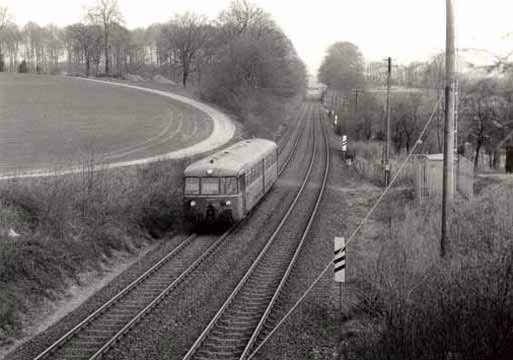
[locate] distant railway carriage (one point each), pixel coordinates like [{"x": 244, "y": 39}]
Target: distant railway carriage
[{"x": 225, "y": 186}]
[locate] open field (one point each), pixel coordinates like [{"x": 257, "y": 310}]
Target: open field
[{"x": 48, "y": 120}]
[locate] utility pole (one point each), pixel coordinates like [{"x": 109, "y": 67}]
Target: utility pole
[
  {"x": 387, "y": 146},
  {"x": 448, "y": 169}
]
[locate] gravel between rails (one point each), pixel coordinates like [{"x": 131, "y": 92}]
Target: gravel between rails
[
  {"x": 171, "y": 329},
  {"x": 38, "y": 343},
  {"x": 99, "y": 331},
  {"x": 314, "y": 329},
  {"x": 277, "y": 258}
]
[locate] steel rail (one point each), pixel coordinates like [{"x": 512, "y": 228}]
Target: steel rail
[
  {"x": 298, "y": 136},
  {"x": 176, "y": 282},
  {"x": 68, "y": 335},
  {"x": 59, "y": 343},
  {"x": 255, "y": 263},
  {"x": 212, "y": 248},
  {"x": 292, "y": 263}
]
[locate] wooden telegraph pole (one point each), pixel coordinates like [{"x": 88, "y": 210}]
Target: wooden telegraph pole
[
  {"x": 387, "y": 146},
  {"x": 448, "y": 170}
]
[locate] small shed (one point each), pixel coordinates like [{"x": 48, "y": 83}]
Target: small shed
[
  {"x": 429, "y": 176},
  {"x": 428, "y": 182}
]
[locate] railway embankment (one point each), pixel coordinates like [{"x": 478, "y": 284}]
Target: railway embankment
[{"x": 70, "y": 233}]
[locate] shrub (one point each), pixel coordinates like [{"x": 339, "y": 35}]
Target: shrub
[
  {"x": 69, "y": 224},
  {"x": 460, "y": 307}
]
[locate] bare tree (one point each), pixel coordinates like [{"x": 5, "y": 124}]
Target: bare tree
[
  {"x": 106, "y": 13},
  {"x": 5, "y": 20},
  {"x": 185, "y": 36},
  {"x": 84, "y": 39},
  {"x": 10, "y": 39},
  {"x": 481, "y": 116},
  {"x": 120, "y": 46},
  {"x": 245, "y": 17}
]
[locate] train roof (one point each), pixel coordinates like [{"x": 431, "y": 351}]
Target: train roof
[{"x": 233, "y": 160}]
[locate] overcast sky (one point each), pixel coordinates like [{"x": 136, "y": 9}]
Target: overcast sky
[{"x": 406, "y": 30}]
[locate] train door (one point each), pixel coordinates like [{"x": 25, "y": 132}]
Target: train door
[{"x": 242, "y": 190}]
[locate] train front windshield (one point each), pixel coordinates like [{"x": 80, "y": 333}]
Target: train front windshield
[{"x": 211, "y": 186}]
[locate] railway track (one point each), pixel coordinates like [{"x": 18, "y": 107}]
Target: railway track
[
  {"x": 99, "y": 331},
  {"x": 94, "y": 335},
  {"x": 246, "y": 315}
]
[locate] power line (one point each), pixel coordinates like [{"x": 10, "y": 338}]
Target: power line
[{"x": 353, "y": 234}]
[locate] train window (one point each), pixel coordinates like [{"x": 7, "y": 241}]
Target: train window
[
  {"x": 192, "y": 186},
  {"x": 229, "y": 185},
  {"x": 210, "y": 186}
]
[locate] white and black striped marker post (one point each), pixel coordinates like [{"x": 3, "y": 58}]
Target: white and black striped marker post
[
  {"x": 343, "y": 146},
  {"x": 339, "y": 260}
]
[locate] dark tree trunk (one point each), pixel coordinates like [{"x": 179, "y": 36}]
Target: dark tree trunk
[
  {"x": 476, "y": 157},
  {"x": 184, "y": 77},
  {"x": 106, "y": 50},
  {"x": 88, "y": 63}
]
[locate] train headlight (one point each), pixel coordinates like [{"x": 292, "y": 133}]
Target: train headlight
[
  {"x": 192, "y": 203},
  {"x": 228, "y": 203}
]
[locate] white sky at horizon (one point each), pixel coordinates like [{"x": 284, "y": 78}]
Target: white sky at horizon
[{"x": 406, "y": 30}]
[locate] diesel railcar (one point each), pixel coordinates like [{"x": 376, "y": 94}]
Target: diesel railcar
[{"x": 225, "y": 186}]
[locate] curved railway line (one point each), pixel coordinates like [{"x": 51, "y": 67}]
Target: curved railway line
[
  {"x": 246, "y": 315},
  {"x": 99, "y": 331}
]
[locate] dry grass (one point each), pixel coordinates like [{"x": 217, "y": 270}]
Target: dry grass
[
  {"x": 368, "y": 158},
  {"x": 73, "y": 223},
  {"x": 456, "y": 308}
]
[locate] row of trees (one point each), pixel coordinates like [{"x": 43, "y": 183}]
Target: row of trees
[
  {"x": 42, "y": 47},
  {"x": 185, "y": 45},
  {"x": 241, "y": 60},
  {"x": 485, "y": 106}
]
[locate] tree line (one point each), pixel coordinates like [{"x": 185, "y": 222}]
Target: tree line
[
  {"x": 356, "y": 91},
  {"x": 241, "y": 60},
  {"x": 184, "y": 48}
]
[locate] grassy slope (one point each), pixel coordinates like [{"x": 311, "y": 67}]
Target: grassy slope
[{"x": 75, "y": 223}]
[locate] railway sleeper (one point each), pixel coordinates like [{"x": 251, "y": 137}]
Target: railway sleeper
[
  {"x": 86, "y": 344},
  {"x": 97, "y": 333},
  {"x": 115, "y": 318},
  {"x": 135, "y": 304},
  {"x": 69, "y": 357},
  {"x": 68, "y": 353},
  {"x": 231, "y": 337},
  {"x": 224, "y": 344},
  {"x": 259, "y": 288},
  {"x": 152, "y": 291},
  {"x": 223, "y": 352},
  {"x": 160, "y": 284},
  {"x": 242, "y": 314},
  {"x": 107, "y": 327},
  {"x": 253, "y": 306},
  {"x": 214, "y": 355},
  {"x": 240, "y": 326},
  {"x": 261, "y": 279},
  {"x": 257, "y": 294},
  {"x": 123, "y": 312}
]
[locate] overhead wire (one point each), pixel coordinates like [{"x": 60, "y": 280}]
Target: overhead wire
[{"x": 352, "y": 236}]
